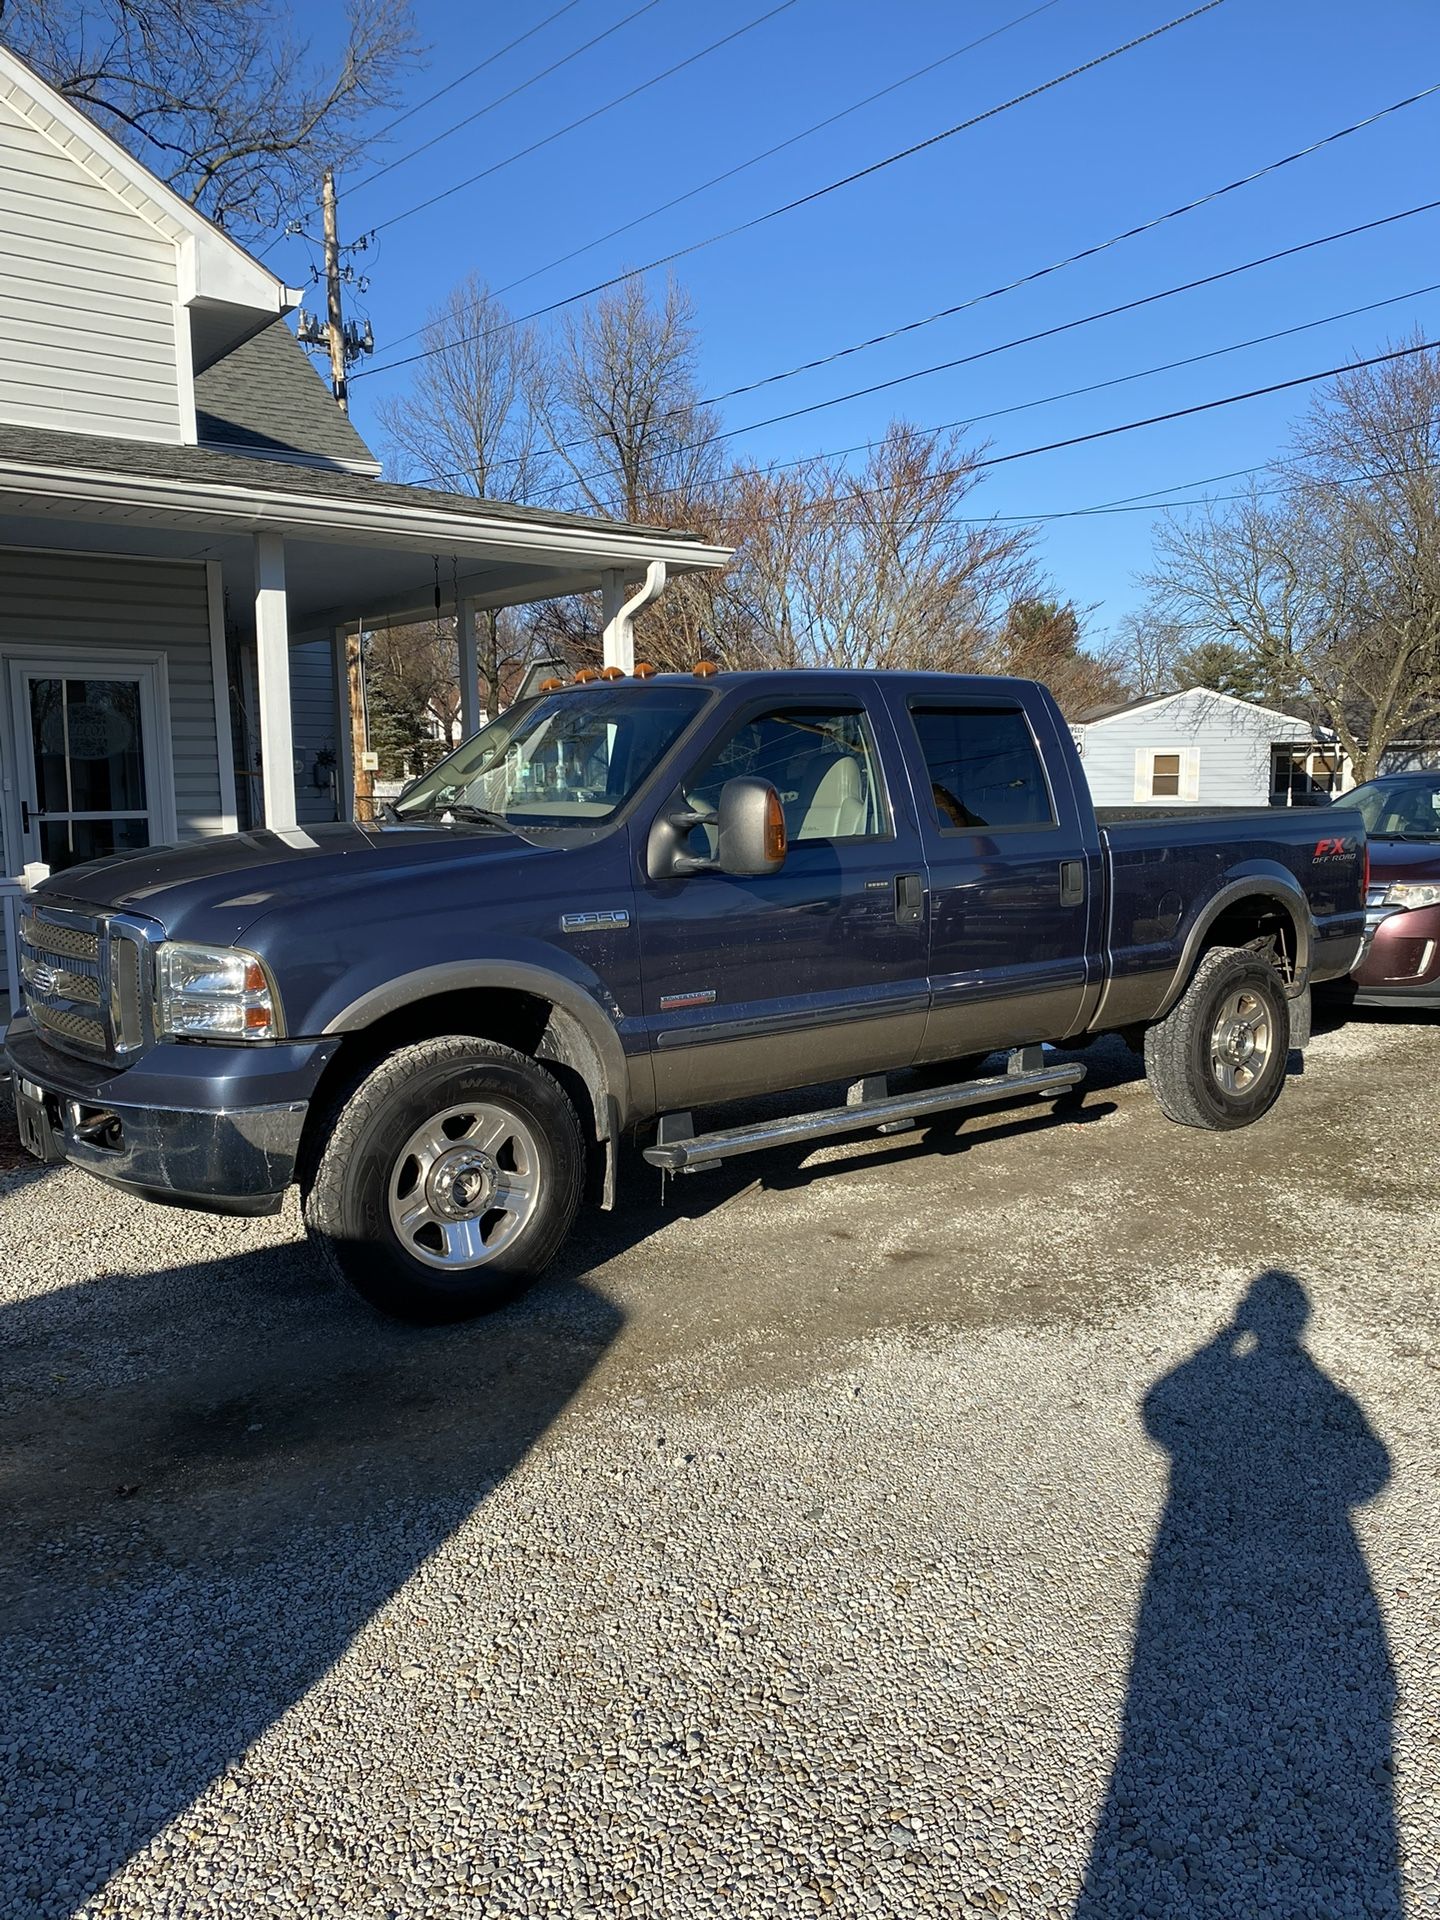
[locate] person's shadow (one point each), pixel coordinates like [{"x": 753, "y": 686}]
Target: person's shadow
[{"x": 1254, "y": 1768}]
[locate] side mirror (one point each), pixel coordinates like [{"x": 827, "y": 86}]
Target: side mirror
[{"x": 751, "y": 828}]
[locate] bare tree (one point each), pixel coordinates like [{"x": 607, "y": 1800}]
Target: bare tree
[
  {"x": 875, "y": 568},
  {"x": 470, "y": 422},
  {"x": 218, "y": 96},
  {"x": 1327, "y": 575},
  {"x": 622, "y": 407}
]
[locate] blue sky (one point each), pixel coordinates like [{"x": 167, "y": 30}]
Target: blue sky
[{"x": 1212, "y": 100}]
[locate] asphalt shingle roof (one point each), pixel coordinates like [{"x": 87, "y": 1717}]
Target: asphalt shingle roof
[
  {"x": 265, "y": 396},
  {"x": 82, "y": 452}
]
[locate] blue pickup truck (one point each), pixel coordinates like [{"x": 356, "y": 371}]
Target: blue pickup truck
[{"x": 630, "y": 902}]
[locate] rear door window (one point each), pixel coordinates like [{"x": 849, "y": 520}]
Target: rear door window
[{"x": 984, "y": 768}]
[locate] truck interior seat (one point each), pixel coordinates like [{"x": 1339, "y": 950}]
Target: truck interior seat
[{"x": 836, "y": 806}]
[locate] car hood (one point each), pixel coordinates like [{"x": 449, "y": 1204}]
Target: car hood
[
  {"x": 231, "y": 880},
  {"x": 1392, "y": 859}
]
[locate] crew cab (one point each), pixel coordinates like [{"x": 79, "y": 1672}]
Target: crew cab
[{"x": 626, "y": 905}]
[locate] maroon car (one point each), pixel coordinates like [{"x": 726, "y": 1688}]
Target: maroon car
[{"x": 1399, "y": 965}]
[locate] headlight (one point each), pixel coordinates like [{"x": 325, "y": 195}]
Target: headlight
[
  {"x": 213, "y": 993},
  {"x": 1413, "y": 893}
]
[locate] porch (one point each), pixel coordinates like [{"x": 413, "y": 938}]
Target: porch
[{"x": 155, "y": 603}]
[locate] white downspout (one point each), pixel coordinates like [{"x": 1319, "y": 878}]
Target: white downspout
[{"x": 620, "y": 619}]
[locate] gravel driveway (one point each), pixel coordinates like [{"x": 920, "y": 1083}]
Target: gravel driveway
[{"x": 1036, "y": 1517}]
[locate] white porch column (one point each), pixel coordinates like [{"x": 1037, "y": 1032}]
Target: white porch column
[
  {"x": 469, "y": 668},
  {"x": 272, "y": 656},
  {"x": 619, "y": 634}
]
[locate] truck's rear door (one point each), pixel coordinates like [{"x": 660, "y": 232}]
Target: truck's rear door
[{"x": 1014, "y": 868}]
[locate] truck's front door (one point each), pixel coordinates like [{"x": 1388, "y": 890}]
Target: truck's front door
[
  {"x": 1013, "y": 876},
  {"x": 813, "y": 973}
]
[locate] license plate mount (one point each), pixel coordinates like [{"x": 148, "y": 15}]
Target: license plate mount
[{"x": 39, "y": 1134}]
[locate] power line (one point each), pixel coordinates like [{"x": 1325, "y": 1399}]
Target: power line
[
  {"x": 490, "y": 105},
  {"x": 1160, "y": 419},
  {"x": 546, "y": 140},
  {"x": 756, "y": 158},
  {"x": 1070, "y": 393},
  {"x": 479, "y": 67},
  {"x": 1020, "y": 340},
  {"x": 819, "y": 193}
]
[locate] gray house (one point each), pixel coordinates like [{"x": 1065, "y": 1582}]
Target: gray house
[
  {"x": 1203, "y": 749},
  {"x": 190, "y": 527}
]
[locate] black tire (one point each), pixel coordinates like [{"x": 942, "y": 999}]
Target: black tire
[
  {"x": 1192, "y": 1069},
  {"x": 355, "y": 1187}
]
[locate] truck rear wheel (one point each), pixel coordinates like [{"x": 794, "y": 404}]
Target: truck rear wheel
[
  {"x": 1218, "y": 1058},
  {"x": 449, "y": 1179}
]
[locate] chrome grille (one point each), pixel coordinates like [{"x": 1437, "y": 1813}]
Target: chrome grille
[{"x": 83, "y": 977}]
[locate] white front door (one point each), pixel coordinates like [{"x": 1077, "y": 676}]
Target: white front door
[{"x": 89, "y": 777}]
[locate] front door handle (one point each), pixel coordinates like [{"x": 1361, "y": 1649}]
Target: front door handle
[
  {"x": 909, "y": 898},
  {"x": 1072, "y": 882}
]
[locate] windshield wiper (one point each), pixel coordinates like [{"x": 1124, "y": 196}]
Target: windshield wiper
[{"x": 471, "y": 815}]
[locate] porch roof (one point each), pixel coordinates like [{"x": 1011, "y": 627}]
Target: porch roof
[{"x": 355, "y": 547}]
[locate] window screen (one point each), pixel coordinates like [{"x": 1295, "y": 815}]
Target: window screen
[
  {"x": 984, "y": 768},
  {"x": 821, "y": 763}
]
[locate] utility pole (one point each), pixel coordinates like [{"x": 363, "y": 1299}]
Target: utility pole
[
  {"x": 363, "y": 778},
  {"x": 334, "y": 318}
]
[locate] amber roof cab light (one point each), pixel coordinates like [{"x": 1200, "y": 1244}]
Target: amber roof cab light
[
  {"x": 703, "y": 669},
  {"x": 551, "y": 686},
  {"x": 585, "y": 676},
  {"x": 612, "y": 673},
  {"x": 642, "y": 670}
]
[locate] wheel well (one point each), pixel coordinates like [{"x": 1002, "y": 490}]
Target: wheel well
[
  {"x": 525, "y": 1021},
  {"x": 1259, "y": 921}
]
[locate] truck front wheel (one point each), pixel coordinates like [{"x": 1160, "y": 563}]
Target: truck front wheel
[
  {"x": 1218, "y": 1058},
  {"x": 449, "y": 1178}
]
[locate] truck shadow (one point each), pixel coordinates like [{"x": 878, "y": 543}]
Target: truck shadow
[
  {"x": 1254, "y": 1773},
  {"x": 200, "y": 1516}
]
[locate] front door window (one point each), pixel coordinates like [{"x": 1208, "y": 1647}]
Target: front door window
[{"x": 89, "y": 784}]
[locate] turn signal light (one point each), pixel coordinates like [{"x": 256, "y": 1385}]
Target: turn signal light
[
  {"x": 642, "y": 670},
  {"x": 585, "y": 676},
  {"x": 703, "y": 669},
  {"x": 774, "y": 825}
]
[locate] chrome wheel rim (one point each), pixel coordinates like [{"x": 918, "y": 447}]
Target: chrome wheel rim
[
  {"x": 1241, "y": 1041},
  {"x": 464, "y": 1186}
]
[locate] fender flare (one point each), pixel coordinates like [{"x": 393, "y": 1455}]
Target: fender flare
[
  {"x": 588, "y": 1022},
  {"x": 1258, "y": 883}
]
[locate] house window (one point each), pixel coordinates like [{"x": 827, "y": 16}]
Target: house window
[
  {"x": 1167, "y": 773},
  {"x": 1165, "y": 776},
  {"x": 1300, "y": 771}
]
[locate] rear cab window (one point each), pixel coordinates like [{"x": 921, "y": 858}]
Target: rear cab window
[{"x": 984, "y": 768}]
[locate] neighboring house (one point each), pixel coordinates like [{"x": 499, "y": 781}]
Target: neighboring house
[
  {"x": 190, "y": 527},
  {"x": 1200, "y": 748}
]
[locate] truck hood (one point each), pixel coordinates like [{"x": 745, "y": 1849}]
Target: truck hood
[
  {"x": 233, "y": 879},
  {"x": 1392, "y": 860}
]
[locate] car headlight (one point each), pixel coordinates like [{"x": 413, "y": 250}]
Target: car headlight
[
  {"x": 1413, "y": 893},
  {"x": 213, "y": 993}
]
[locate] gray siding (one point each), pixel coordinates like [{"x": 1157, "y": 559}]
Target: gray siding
[
  {"x": 1231, "y": 745},
  {"x": 89, "y": 604},
  {"x": 312, "y": 725},
  {"x": 88, "y": 293}
]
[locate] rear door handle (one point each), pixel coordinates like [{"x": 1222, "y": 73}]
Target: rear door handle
[
  {"x": 1072, "y": 882},
  {"x": 909, "y": 898}
]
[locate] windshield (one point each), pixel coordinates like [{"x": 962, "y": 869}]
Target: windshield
[
  {"x": 568, "y": 759},
  {"x": 1398, "y": 809}
]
